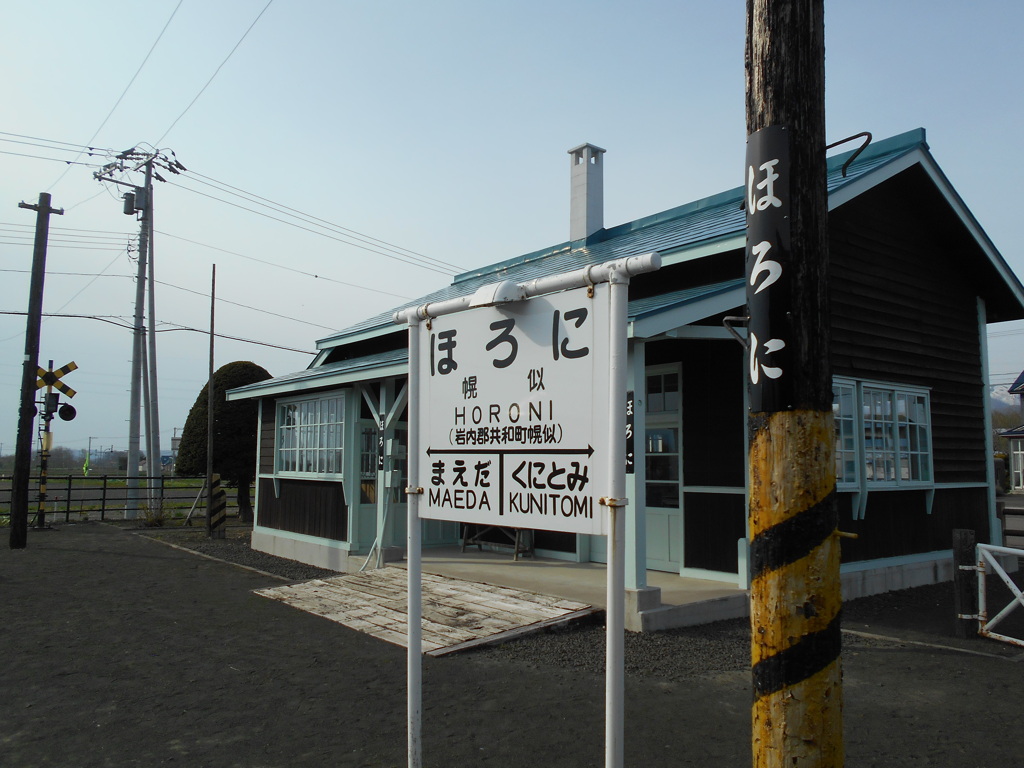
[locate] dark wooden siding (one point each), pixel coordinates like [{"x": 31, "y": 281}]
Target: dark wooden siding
[
  {"x": 713, "y": 418},
  {"x": 713, "y": 523},
  {"x": 556, "y": 541},
  {"x": 311, "y": 507},
  {"x": 268, "y": 415},
  {"x": 897, "y": 522},
  {"x": 714, "y": 421},
  {"x": 904, "y": 310}
]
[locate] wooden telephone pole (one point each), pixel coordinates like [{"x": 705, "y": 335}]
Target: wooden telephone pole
[
  {"x": 794, "y": 552},
  {"x": 29, "y": 374}
]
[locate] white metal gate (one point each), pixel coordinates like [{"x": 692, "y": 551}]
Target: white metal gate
[{"x": 987, "y": 561}]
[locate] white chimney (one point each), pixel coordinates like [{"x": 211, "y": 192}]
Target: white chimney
[{"x": 586, "y": 206}]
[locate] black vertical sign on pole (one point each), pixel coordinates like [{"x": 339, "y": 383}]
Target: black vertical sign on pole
[
  {"x": 630, "y": 437},
  {"x": 768, "y": 261}
]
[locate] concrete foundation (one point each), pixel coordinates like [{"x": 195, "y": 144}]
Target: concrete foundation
[{"x": 312, "y": 552}]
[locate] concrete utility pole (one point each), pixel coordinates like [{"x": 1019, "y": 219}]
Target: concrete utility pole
[
  {"x": 29, "y": 375},
  {"x": 156, "y": 467},
  {"x": 794, "y": 551},
  {"x": 141, "y": 199},
  {"x": 135, "y": 399}
]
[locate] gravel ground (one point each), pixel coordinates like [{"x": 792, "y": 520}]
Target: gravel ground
[
  {"x": 134, "y": 655},
  {"x": 922, "y": 615},
  {"x": 235, "y": 549}
]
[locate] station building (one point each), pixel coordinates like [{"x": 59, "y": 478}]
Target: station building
[{"x": 914, "y": 283}]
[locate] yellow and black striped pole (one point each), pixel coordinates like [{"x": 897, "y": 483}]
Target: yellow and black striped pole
[
  {"x": 794, "y": 553},
  {"x": 794, "y": 593},
  {"x": 217, "y": 511}
]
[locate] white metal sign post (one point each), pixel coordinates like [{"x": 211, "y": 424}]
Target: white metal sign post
[{"x": 516, "y": 414}]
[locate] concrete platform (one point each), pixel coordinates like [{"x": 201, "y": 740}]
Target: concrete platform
[{"x": 670, "y": 600}]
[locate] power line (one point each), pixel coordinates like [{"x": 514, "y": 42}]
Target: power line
[
  {"x": 54, "y": 159},
  {"x": 236, "y": 338},
  {"x": 130, "y": 82},
  {"x": 66, "y": 238},
  {"x": 73, "y": 247},
  {"x": 103, "y": 318},
  {"x": 128, "y": 326},
  {"x": 91, "y": 151},
  {"x": 55, "y": 141},
  {"x": 95, "y": 276},
  {"x": 406, "y": 260},
  {"x": 84, "y": 287},
  {"x": 281, "y": 266},
  {"x": 261, "y": 310},
  {"x": 216, "y": 71},
  {"x": 223, "y": 186},
  {"x": 71, "y": 229},
  {"x": 347, "y": 235}
]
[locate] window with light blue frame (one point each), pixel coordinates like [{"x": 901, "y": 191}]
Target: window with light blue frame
[
  {"x": 844, "y": 415},
  {"x": 882, "y": 435},
  {"x": 663, "y": 431},
  {"x": 311, "y": 437}
]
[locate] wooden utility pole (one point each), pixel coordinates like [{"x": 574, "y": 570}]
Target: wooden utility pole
[
  {"x": 794, "y": 551},
  {"x": 29, "y": 374},
  {"x": 215, "y": 500}
]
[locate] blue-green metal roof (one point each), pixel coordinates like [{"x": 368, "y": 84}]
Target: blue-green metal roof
[
  {"x": 716, "y": 219},
  {"x": 329, "y": 375},
  {"x": 653, "y": 305},
  {"x": 1017, "y": 388},
  {"x": 374, "y": 366}
]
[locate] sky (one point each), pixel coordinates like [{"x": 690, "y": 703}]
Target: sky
[{"x": 430, "y": 138}]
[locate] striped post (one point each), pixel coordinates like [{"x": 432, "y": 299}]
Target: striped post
[
  {"x": 794, "y": 593},
  {"x": 218, "y": 511},
  {"x": 794, "y": 551}
]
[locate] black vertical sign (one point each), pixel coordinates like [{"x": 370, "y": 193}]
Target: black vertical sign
[
  {"x": 380, "y": 445},
  {"x": 630, "y": 439},
  {"x": 769, "y": 299}
]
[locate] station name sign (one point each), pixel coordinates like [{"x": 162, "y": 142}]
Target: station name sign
[{"x": 514, "y": 413}]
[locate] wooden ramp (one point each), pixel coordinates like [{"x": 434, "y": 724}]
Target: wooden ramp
[{"x": 456, "y": 614}]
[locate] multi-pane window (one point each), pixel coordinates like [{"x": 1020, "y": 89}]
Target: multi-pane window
[
  {"x": 845, "y": 418},
  {"x": 664, "y": 454},
  {"x": 883, "y": 434},
  {"x": 310, "y": 436}
]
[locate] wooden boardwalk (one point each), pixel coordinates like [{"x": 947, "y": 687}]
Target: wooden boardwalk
[{"x": 456, "y": 614}]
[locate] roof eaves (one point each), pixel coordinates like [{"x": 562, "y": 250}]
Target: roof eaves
[
  {"x": 974, "y": 228},
  {"x": 336, "y": 380},
  {"x": 686, "y": 307},
  {"x": 384, "y": 328},
  {"x": 1017, "y": 388},
  {"x": 901, "y": 142},
  {"x": 699, "y": 250},
  {"x": 846, "y": 190},
  {"x": 392, "y": 363}
]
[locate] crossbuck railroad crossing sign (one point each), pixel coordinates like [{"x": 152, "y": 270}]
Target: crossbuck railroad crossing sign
[{"x": 53, "y": 379}]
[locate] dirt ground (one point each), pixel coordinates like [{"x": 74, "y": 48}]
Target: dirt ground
[{"x": 120, "y": 651}]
